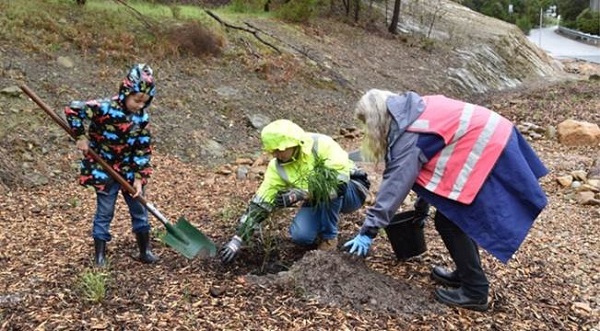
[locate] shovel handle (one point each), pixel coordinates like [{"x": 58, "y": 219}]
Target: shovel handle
[{"x": 114, "y": 174}]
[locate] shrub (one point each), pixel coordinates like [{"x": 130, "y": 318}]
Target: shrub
[
  {"x": 299, "y": 11},
  {"x": 589, "y": 22},
  {"x": 247, "y": 6},
  {"x": 195, "y": 39},
  {"x": 524, "y": 24}
]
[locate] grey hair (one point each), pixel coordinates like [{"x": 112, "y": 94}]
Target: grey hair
[{"x": 371, "y": 110}]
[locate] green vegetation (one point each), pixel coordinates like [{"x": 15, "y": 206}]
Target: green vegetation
[
  {"x": 109, "y": 31},
  {"x": 92, "y": 285},
  {"x": 322, "y": 182},
  {"x": 574, "y": 14},
  {"x": 589, "y": 22}
]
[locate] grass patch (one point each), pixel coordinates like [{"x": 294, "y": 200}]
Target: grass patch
[
  {"x": 110, "y": 31},
  {"x": 92, "y": 285}
]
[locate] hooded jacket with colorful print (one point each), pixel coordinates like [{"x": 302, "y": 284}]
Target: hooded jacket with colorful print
[{"x": 121, "y": 137}]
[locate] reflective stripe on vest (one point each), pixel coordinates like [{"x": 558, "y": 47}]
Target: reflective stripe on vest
[
  {"x": 474, "y": 137},
  {"x": 315, "y": 147}
]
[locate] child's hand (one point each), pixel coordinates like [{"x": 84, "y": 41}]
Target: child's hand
[
  {"x": 83, "y": 145},
  {"x": 137, "y": 185}
]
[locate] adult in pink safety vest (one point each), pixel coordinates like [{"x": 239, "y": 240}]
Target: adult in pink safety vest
[{"x": 467, "y": 161}]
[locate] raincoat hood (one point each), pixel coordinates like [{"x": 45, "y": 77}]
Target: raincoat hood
[
  {"x": 282, "y": 134},
  {"x": 139, "y": 80}
]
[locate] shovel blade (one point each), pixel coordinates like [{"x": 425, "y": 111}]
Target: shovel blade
[{"x": 187, "y": 240}]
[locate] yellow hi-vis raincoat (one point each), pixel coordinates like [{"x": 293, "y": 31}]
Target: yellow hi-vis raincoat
[{"x": 282, "y": 134}]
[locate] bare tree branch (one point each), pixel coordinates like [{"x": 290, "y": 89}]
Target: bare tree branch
[
  {"x": 254, "y": 32},
  {"x": 140, "y": 16}
]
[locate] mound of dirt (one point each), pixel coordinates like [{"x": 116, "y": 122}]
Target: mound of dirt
[{"x": 341, "y": 280}]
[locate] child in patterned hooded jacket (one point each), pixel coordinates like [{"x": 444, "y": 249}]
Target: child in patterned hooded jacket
[{"x": 118, "y": 132}]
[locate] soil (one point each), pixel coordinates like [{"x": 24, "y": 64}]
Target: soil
[{"x": 552, "y": 283}]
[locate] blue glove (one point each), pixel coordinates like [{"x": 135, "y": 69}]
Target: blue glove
[{"x": 359, "y": 245}]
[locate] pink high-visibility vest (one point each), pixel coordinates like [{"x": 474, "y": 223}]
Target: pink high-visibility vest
[{"x": 474, "y": 136}]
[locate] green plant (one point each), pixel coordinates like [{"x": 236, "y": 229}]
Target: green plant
[
  {"x": 322, "y": 182},
  {"x": 246, "y": 6},
  {"x": 159, "y": 233},
  {"x": 268, "y": 241},
  {"x": 92, "y": 284},
  {"x": 524, "y": 24},
  {"x": 589, "y": 22},
  {"x": 298, "y": 11},
  {"x": 74, "y": 202},
  {"x": 176, "y": 11}
]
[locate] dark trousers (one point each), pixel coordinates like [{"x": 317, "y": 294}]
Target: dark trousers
[{"x": 465, "y": 253}]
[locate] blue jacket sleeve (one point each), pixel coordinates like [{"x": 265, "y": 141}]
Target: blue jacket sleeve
[{"x": 403, "y": 165}]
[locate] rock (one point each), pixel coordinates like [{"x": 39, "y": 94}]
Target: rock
[
  {"x": 577, "y": 133},
  {"x": 588, "y": 187},
  {"x": 10, "y": 299},
  {"x": 582, "y": 306},
  {"x": 217, "y": 291},
  {"x": 585, "y": 198},
  {"x": 258, "y": 121},
  {"x": 594, "y": 183},
  {"x": 227, "y": 92},
  {"x": 565, "y": 181},
  {"x": 242, "y": 173},
  {"x": 595, "y": 170},
  {"x": 261, "y": 160},
  {"x": 212, "y": 148},
  {"x": 225, "y": 170},
  {"x": 65, "y": 61},
  {"x": 12, "y": 91},
  {"x": 245, "y": 161},
  {"x": 550, "y": 132},
  {"x": 579, "y": 175}
]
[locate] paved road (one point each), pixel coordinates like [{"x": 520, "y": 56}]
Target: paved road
[{"x": 561, "y": 47}]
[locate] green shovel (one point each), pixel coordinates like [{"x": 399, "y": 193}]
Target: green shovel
[{"x": 181, "y": 236}]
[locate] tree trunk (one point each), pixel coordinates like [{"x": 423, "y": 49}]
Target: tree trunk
[
  {"x": 393, "y": 28},
  {"x": 346, "y": 6}
]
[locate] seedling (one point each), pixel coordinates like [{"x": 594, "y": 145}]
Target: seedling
[
  {"x": 322, "y": 183},
  {"x": 92, "y": 285}
]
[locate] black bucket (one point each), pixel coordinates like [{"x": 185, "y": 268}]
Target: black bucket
[{"x": 406, "y": 236}]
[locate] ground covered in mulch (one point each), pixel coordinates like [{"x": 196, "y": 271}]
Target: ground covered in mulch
[{"x": 552, "y": 283}]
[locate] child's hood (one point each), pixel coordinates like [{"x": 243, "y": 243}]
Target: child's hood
[{"x": 139, "y": 79}]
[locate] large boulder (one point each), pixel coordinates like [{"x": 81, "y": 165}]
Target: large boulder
[
  {"x": 494, "y": 55},
  {"x": 577, "y": 133}
]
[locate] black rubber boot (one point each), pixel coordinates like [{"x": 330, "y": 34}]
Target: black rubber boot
[
  {"x": 143, "y": 241},
  {"x": 100, "y": 252},
  {"x": 465, "y": 253},
  {"x": 445, "y": 277},
  {"x": 456, "y": 297}
]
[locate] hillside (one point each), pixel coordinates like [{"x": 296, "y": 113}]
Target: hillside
[{"x": 205, "y": 117}]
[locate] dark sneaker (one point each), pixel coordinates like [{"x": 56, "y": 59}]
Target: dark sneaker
[
  {"x": 456, "y": 297},
  {"x": 445, "y": 277}
]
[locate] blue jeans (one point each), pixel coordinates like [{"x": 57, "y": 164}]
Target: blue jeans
[
  {"x": 105, "y": 211},
  {"x": 312, "y": 221}
]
